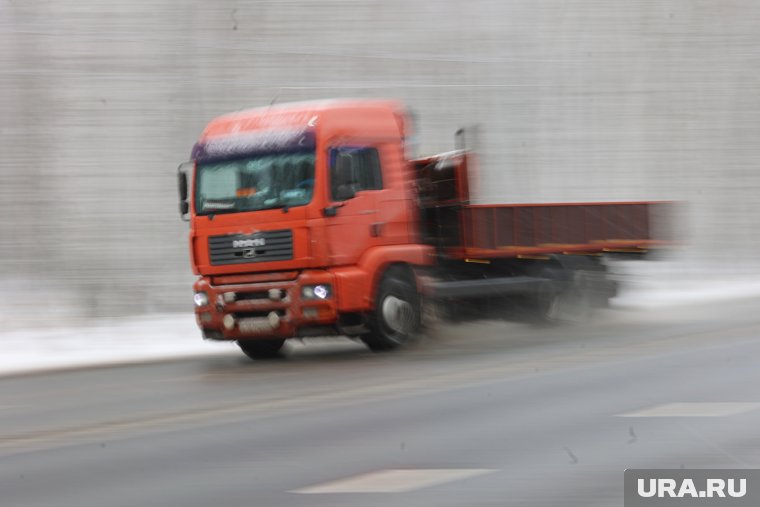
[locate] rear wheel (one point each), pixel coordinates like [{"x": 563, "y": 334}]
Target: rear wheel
[
  {"x": 571, "y": 305},
  {"x": 261, "y": 349},
  {"x": 583, "y": 289},
  {"x": 396, "y": 316}
]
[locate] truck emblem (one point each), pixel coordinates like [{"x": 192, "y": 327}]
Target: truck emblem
[
  {"x": 249, "y": 253},
  {"x": 248, "y": 243}
]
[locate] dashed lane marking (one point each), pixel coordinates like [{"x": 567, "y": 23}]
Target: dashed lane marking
[
  {"x": 394, "y": 480},
  {"x": 694, "y": 409}
]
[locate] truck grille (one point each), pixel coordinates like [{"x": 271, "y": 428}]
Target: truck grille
[{"x": 242, "y": 248}]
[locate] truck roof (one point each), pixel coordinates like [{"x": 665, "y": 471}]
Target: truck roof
[{"x": 370, "y": 116}]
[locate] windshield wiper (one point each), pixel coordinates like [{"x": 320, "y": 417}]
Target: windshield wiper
[
  {"x": 285, "y": 207},
  {"x": 221, "y": 211}
]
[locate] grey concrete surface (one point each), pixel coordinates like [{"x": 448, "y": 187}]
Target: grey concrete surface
[
  {"x": 538, "y": 408},
  {"x": 585, "y": 100}
]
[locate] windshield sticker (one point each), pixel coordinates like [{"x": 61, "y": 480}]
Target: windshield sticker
[
  {"x": 207, "y": 205},
  {"x": 252, "y": 143}
]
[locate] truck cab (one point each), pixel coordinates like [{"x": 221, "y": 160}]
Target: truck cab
[{"x": 295, "y": 211}]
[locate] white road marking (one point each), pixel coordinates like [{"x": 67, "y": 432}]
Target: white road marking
[
  {"x": 696, "y": 409},
  {"x": 394, "y": 481}
]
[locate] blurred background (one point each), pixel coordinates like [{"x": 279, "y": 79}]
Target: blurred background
[{"x": 575, "y": 101}]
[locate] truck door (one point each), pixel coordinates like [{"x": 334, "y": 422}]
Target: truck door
[{"x": 355, "y": 184}]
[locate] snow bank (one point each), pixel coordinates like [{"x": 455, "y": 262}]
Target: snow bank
[{"x": 113, "y": 341}]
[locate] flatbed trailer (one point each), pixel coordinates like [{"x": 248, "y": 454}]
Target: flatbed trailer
[
  {"x": 484, "y": 231},
  {"x": 508, "y": 247}
]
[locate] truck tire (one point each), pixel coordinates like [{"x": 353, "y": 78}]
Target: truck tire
[
  {"x": 261, "y": 349},
  {"x": 572, "y": 305},
  {"x": 585, "y": 289},
  {"x": 396, "y": 318}
]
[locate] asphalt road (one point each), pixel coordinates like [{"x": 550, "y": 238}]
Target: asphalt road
[{"x": 483, "y": 414}]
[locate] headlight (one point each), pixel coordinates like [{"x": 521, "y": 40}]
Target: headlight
[
  {"x": 200, "y": 299},
  {"x": 323, "y": 291}
]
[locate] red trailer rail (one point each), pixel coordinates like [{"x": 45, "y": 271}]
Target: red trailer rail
[{"x": 511, "y": 230}]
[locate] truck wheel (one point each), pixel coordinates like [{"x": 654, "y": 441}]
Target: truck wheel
[
  {"x": 261, "y": 349},
  {"x": 572, "y": 305},
  {"x": 396, "y": 318}
]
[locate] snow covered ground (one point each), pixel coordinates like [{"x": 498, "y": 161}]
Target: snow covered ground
[
  {"x": 112, "y": 341},
  {"x": 170, "y": 336}
]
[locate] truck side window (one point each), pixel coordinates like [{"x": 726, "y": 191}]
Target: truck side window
[{"x": 353, "y": 169}]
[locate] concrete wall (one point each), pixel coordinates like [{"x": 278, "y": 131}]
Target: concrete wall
[{"x": 576, "y": 100}]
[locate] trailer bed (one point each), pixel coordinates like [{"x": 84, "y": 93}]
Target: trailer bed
[{"x": 481, "y": 231}]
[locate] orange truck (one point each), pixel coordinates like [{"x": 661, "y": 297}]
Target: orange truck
[{"x": 309, "y": 219}]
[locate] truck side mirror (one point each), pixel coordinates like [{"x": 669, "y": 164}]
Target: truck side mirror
[{"x": 184, "y": 205}]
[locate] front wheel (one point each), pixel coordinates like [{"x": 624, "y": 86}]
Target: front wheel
[
  {"x": 396, "y": 316},
  {"x": 261, "y": 349}
]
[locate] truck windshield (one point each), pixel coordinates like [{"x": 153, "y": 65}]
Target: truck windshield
[{"x": 255, "y": 183}]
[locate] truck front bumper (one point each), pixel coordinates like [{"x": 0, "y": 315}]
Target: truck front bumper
[{"x": 301, "y": 306}]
